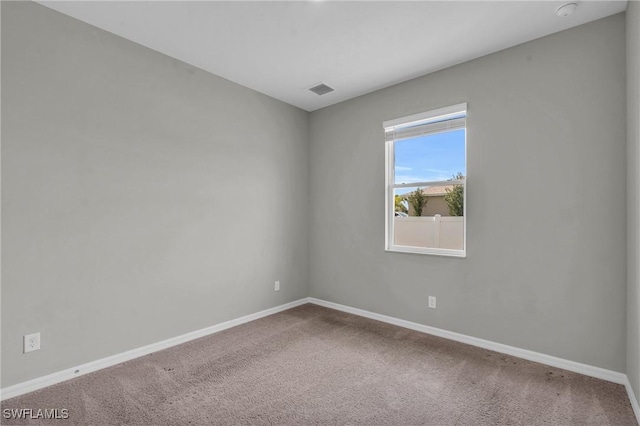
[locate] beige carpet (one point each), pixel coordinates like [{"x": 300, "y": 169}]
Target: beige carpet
[{"x": 312, "y": 365}]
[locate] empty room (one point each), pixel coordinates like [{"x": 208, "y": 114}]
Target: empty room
[{"x": 320, "y": 212}]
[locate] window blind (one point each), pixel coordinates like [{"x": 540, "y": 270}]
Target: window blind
[{"x": 443, "y": 120}]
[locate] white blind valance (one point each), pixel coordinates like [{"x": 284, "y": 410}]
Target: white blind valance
[{"x": 442, "y": 120}]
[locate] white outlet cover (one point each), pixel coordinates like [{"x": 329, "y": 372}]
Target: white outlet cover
[
  {"x": 277, "y": 286},
  {"x": 432, "y": 302},
  {"x": 31, "y": 342}
]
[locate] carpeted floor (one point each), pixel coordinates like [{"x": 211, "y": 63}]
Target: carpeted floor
[{"x": 312, "y": 365}]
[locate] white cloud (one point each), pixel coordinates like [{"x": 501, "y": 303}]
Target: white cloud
[
  {"x": 410, "y": 179},
  {"x": 439, "y": 171}
]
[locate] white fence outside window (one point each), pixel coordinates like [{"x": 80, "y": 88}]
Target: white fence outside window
[{"x": 429, "y": 231}]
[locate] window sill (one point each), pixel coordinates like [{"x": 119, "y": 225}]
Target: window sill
[{"x": 425, "y": 250}]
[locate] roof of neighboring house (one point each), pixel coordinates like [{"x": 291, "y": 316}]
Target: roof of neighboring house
[{"x": 433, "y": 191}]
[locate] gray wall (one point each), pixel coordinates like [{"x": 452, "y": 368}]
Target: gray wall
[
  {"x": 633, "y": 194},
  {"x": 546, "y": 123},
  {"x": 142, "y": 198}
]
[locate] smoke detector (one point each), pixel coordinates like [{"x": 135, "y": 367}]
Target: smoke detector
[
  {"x": 321, "y": 89},
  {"x": 566, "y": 9}
]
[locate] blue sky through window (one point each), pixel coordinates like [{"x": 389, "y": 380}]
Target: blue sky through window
[{"x": 430, "y": 158}]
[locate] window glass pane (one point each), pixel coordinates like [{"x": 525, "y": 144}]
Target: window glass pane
[
  {"x": 438, "y": 225},
  {"x": 432, "y": 157}
]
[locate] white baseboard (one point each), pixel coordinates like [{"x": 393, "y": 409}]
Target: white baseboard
[
  {"x": 71, "y": 373},
  {"x": 576, "y": 367},
  {"x": 634, "y": 401},
  {"x": 587, "y": 370}
]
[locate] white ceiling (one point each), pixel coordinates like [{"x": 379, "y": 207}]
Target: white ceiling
[{"x": 283, "y": 48}]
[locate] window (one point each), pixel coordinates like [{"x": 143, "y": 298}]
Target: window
[{"x": 426, "y": 176}]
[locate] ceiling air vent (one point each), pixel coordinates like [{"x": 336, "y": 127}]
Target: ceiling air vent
[{"x": 321, "y": 89}]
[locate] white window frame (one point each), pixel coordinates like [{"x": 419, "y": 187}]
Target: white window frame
[{"x": 425, "y": 118}]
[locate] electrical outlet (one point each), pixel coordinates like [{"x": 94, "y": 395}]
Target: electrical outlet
[
  {"x": 31, "y": 342},
  {"x": 277, "y": 286},
  {"x": 432, "y": 302}
]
